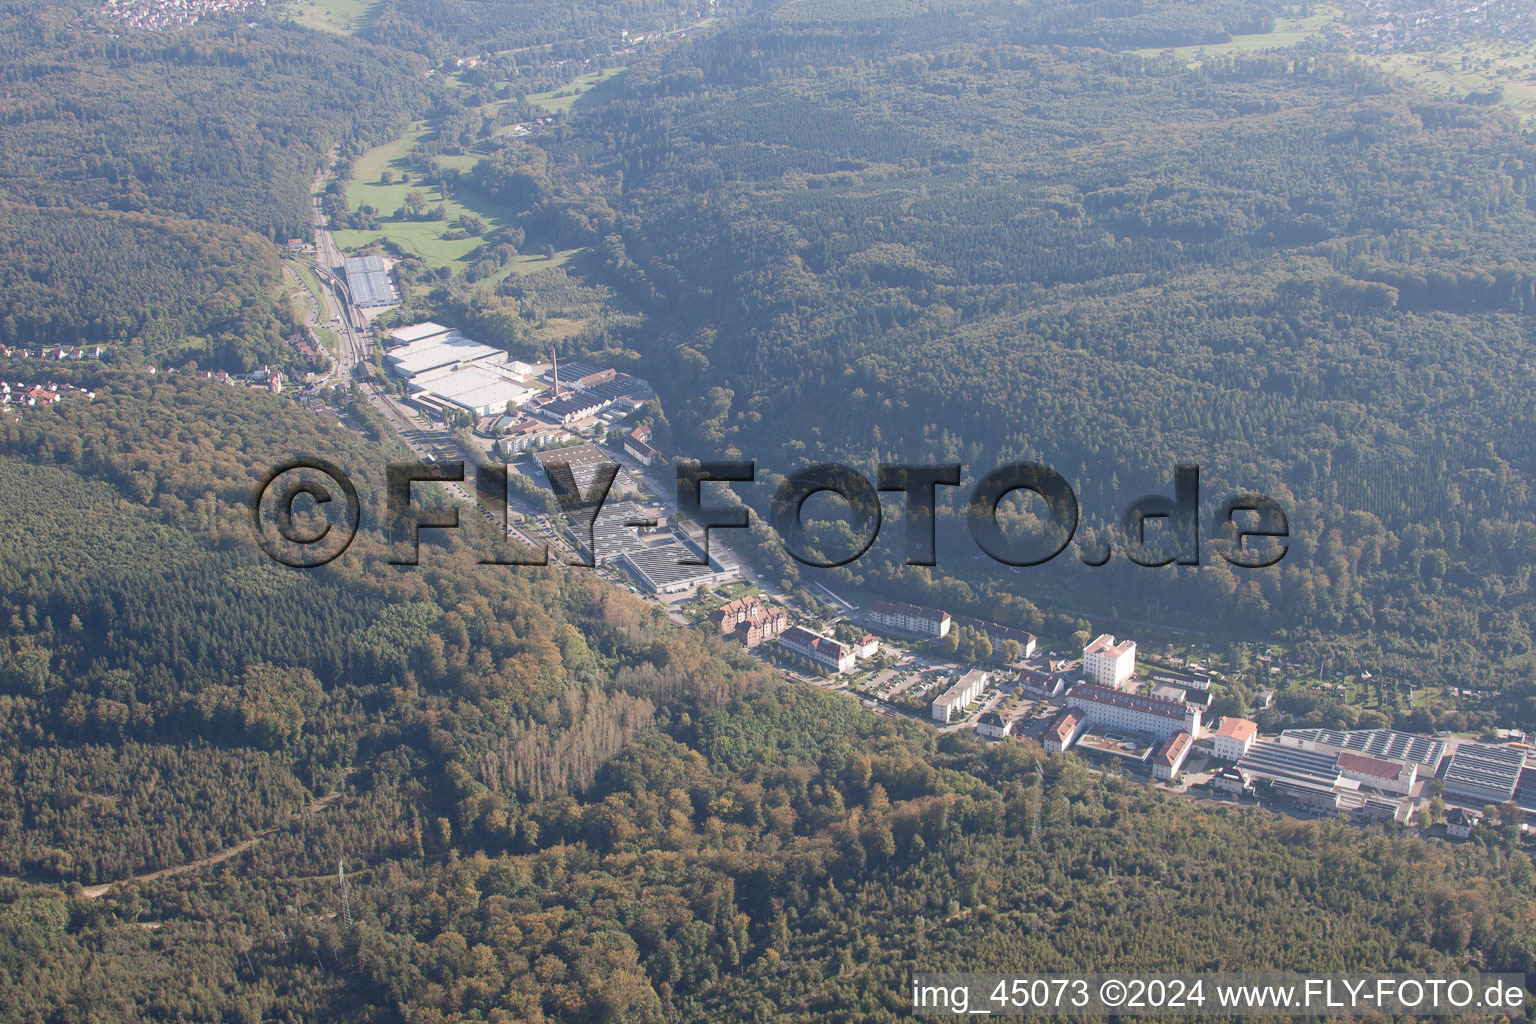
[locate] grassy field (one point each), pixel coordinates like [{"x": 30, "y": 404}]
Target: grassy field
[
  {"x": 422, "y": 238},
  {"x": 583, "y": 91},
  {"x": 343, "y": 17},
  {"x": 1288, "y": 32},
  {"x": 1471, "y": 69},
  {"x": 1454, "y": 72}
]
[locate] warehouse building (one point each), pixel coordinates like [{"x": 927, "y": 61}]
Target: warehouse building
[
  {"x": 412, "y": 333},
  {"x": 584, "y": 460},
  {"x": 624, "y": 526},
  {"x": 1387, "y": 744},
  {"x": 1484, "y": 772},
  {"x": 658, "y": 570},
  {"x": 479, "y": 389},
  {"x": 368, "y": 280},
  {"x": 435, "y": 352}
]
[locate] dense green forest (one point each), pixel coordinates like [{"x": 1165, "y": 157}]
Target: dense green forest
[
  {"x": 137, "y": 172},
  {"x": 937, "y": 238},
  {"x": 934, "y": 229},
  {"x": 552, "y": 804}
]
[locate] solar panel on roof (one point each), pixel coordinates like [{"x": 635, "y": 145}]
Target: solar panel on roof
[{"x": 369, "y": 280}]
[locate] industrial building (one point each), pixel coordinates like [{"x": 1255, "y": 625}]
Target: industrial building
[
  {"x": 584, "y": 460},
  {"x": 1109, "y": 663},
  {"x": 822, "y": 651},
  {"x": 1387, "y": 744},
  {"x": 440, "y": 352},
  {"x": 368, "y": 280},
  {"x": 955, "y": 699},
  {"x": 1320, "y": 781},
  {"x": 1388, "y": 776},
  {"x": 1484, "y": 772},
  {"x": 910, "y": 618},
  {"x": 619, "y": 528},
  {"x": 479, "y": 389},
  {"x": 658, "y": 570},
  {"x": 1158, "y": 717},
  {"x": 412, "y": 333}
]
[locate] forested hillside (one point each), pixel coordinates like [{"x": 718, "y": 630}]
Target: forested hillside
[
  {"x": 932, "y": 229},
  {"x": 203, "y": 137},
  {"x": 937, "y": 239},
  {"x": 553, "y": 805}
]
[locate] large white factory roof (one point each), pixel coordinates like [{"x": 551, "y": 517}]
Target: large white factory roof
[
  {"x": 474, "y": 387},
  {"x": 437, "y": 352}
]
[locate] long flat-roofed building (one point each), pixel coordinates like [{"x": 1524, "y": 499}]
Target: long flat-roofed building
[
  {"x": 1155, "y": 716},
  {"x": 1304, "y": 777},
  {"x": 440, "y": 352},
  {"x": 910, "y": 618},
  {"x": 1107, "y": 662},
  {"x": 368, "y": 280},
  {"x": 478, "y": 389},
  {"x": 955, "y": 699},
  {"x": 584, "y": 461},
  {"x": 658, "y": 570},
  {"x": 1484, "y": 772},
  {"x": 1387, "y": 744},
  {"x": 412, "y": 333}
]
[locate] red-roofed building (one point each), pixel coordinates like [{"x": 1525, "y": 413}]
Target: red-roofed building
[
  {"x": 1233, "y": 738},
  {"x": 1391, "y": 776},
  {"x": 1063, "y": 732},
  {"x": 1171, "y": 755}
]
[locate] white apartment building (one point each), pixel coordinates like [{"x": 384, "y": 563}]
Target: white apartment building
[
  {"x": 910, "y": 618},
  {"x": 1109, "y": 663},
  {"x": 958, "y": 696},
  {"x": 1233, "y": 737},
  {"x": 1158, "y": 717}
]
